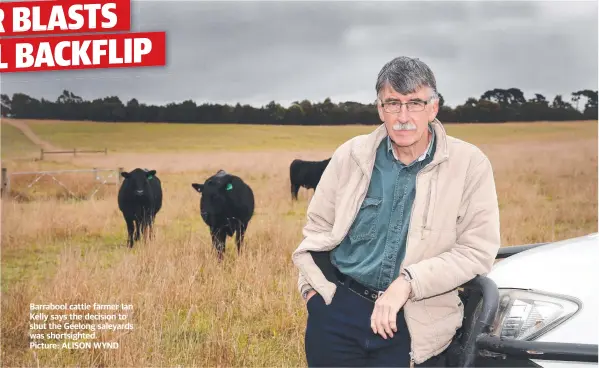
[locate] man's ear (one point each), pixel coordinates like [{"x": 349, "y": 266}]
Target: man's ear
[
  {"x": 198, "y": 187},
  {"x": 125, "y": 174},
  {"x": 434, "y": 110}
]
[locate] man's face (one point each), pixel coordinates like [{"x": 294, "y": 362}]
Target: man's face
[{"x": 407, "y": 127}]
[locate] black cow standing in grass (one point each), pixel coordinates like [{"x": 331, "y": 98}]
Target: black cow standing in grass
[
  {"x": 226, "y": 206},
  {"x": 305, "y": 174},
  {"x": 140, "y": 199}
]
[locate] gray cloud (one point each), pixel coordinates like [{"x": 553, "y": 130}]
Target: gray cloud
[{"x": 255, "y": 52}]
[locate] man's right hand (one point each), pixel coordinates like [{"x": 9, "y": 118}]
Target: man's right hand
[{"x": 310, "y": 294}]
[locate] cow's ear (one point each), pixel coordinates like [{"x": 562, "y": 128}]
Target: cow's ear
[
  {"x": 198, "y": 187},
  {"x": 125, "y": 174},
  {"x": 150, "y": 174}
]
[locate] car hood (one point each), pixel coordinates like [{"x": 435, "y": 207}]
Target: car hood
[
  {"x": 558, "y": 267},
  {"x": 566, "y": 267}
]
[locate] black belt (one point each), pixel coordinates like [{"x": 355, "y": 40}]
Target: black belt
[{"x": 363, "y": 291}]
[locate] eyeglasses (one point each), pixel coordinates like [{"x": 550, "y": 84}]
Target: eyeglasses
[{"x": 412, "y": 106}]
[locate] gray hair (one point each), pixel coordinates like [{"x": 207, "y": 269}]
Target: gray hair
[{"x": 406, "y": 75}]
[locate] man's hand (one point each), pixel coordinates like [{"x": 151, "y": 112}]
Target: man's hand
[
  {"x": 383, "y": 319},
  {"x": 311, "y": 293}
]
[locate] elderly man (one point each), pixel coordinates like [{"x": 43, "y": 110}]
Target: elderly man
[{"x": 403, "y": 216}]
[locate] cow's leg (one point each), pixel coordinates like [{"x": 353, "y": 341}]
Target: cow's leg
[
  {"x": 141, "y": 221},
  {"x": 130, "y": 229},
  {"x": 145, "y": 224},
  {"x": 137, "y": 228},
  {"x": 241, "y": 228},
  {"x": 218, "y": 241},
  {"x": 147, "y": 228},
  {"x": 294, "y": 191}
]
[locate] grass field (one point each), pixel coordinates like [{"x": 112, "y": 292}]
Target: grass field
[
  {"x": 188, "y": 310},
  {"x": 140, "y": 137},
  {"x": 15, "y": 144}
]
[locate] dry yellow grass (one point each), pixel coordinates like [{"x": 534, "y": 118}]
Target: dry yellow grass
[{"x": 191, "y": 311}]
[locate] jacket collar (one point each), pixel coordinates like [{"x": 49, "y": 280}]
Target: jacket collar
[{"x": 364, "y": 151}]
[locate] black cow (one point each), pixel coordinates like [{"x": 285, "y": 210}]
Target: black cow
[
  {"x": 140, "y": 199},
  {"x": 305, "y": 174},
  {"x": 226, "y": 206}
]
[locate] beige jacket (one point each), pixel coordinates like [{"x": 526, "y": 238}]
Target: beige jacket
[{"x": 453, "y": 234}]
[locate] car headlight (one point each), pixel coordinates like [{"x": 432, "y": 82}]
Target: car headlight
[{"x": 526, "y": 315}]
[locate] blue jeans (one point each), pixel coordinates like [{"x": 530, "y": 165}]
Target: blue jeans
[{"x": 339, "y": 334}]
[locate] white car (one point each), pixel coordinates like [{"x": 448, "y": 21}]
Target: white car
[
  {"x": 536, "y": 308},
  {"x": 539, "y": 307}
]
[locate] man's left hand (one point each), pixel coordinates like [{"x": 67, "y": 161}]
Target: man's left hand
[{"x": 384, "y": 316}]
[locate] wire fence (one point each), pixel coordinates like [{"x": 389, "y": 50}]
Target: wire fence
[{"x": 72, "y": 183}]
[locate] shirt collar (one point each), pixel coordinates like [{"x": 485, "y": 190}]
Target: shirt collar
[{"x": 426, "y": 154}]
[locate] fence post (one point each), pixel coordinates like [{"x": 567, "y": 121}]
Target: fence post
[
  {"x": 105, "y": 151},
  {"x": 95, "y": 173},
  {"x": 41, "y": 154},
  {"x": 121, "y": 169},
  {"x": 4, "y": 182},
  {"x": 75, "y": 152}
]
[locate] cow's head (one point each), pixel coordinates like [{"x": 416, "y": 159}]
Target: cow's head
[
  {"x": 138, "y": 180},
  {"x": 216, "y": 188}
]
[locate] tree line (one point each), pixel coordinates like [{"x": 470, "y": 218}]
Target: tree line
[{"x": 497, "y": 105}]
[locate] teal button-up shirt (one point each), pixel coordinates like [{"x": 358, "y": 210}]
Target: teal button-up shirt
[{"x": 374, "y": 247}]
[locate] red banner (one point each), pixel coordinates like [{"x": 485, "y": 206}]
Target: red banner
[
  {"x": 135, "y": 49},
  {"x": 65, "y": 16}
]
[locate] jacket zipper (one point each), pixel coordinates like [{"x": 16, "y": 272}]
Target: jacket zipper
[
  {"x": 407, "y": 244},
  {"x": 401, "y": 267}
]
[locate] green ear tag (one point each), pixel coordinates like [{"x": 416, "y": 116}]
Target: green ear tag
[
  {"x": 229, "y": 186},
  {"x": 150, "y": 177}
]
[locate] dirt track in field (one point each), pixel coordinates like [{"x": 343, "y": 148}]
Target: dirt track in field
[{"x": 23, "y": 127}]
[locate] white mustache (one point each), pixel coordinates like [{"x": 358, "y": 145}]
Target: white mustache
[{"x": 406, "y": 126}]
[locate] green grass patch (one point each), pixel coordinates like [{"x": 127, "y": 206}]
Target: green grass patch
[
  {"x": 515, "y": 132},
  {"x": 15, "y": 143},
  {"x": 37, "y": 262},
  {"x": 141, "y": 137}
]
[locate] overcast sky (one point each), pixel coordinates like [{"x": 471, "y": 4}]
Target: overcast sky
[{"x": 255, "y": 52}]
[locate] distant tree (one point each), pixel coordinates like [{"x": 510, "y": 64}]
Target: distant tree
[
  {"x": 275, "y": 112},
  {"x": 496, "y": 95},
  {"x": 68, "y": 97},
  {"x": 24, "y": 106},
  {"x": 132, "y": 110},
  {"x": 5, "y": 110},
  {"x": 441, "y": 101},
  {"x": 515, "y": 96},
  {"x": 576, "y": 98},
  {"x": 559, "y": 103},
  {"x": 590, "y": 107},
  {"x": 539, "y": 99}
]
